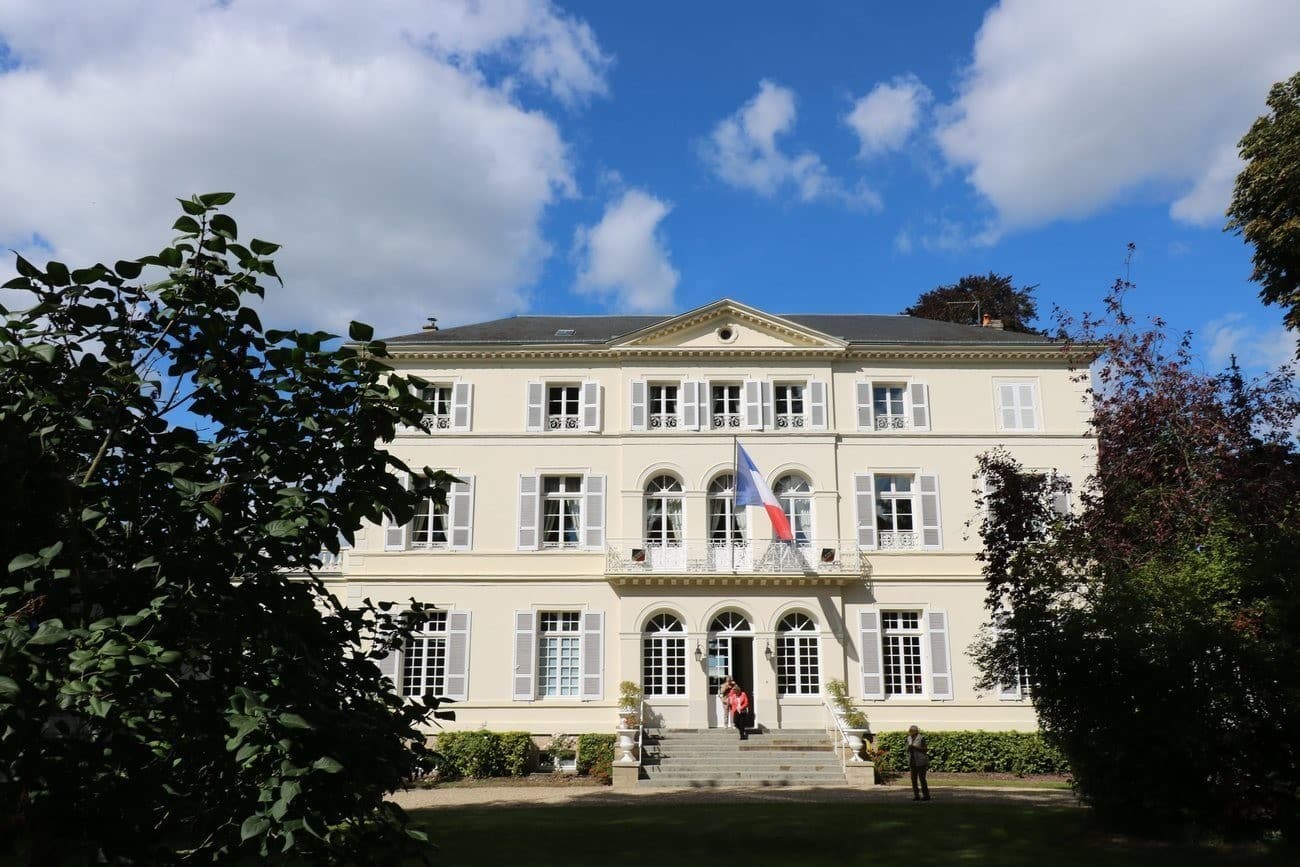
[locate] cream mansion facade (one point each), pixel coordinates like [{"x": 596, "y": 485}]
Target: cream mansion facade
[{"x": 594, "y": 537}]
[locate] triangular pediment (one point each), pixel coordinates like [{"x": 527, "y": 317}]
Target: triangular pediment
[{"x": 728, "y": 324}]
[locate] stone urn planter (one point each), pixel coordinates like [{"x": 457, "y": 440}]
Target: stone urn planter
[
  {"x": 857, "y": 739},
  {"x": 626, "y": 744}
]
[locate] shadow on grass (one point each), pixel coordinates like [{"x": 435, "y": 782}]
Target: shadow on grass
[{"x": 786, "y": 828}]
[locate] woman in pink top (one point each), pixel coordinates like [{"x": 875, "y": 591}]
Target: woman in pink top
[{"x": 738, "y": 701}]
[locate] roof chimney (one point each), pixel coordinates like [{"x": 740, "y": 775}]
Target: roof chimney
[
  {"x": 990, "y": 322},
  {"x": 432, "y": 324}
]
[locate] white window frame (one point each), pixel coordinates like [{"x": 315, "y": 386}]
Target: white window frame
[
  {"x": 795, "y": 648},
  {"x": 563, "y": 496},
  {"x": 558, "y": 637},
  {"x": 564, "y": 422},
  {"x": 441, "y": 417},
  {"x": 786, "y": 418},
  {"x": 738, "y": 416},
  {"x": 913, "y": 496},
  {"x": 431, "y": 511},
  {"x": 432, "y": 635},
  {"x": 657, "y": 640},
  {"x": 919, "y": 633},
  {"x": 810, "y": 495},
  {"x": 904, "y": 416},
  {"x": 657, "y": 417},
  {"x": 1017, "y": 383}
]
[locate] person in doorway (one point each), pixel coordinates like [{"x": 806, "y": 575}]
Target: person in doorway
[
  {"x": 724, "y": 691},
  {"x": 738, "y": 701},
  {"x": 918, "y": 762}
]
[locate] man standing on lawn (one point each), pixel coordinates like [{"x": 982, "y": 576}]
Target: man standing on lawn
[{"x": 918, "y": 762}]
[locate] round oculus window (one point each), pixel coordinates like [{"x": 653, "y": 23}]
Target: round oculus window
[{"x": 726, "y": 334}]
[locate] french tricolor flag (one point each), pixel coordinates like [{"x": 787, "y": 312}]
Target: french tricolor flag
[{"x": 751, "y": 490}]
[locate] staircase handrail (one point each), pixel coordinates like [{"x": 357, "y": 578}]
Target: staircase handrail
[{"x": 837, "y": 728}]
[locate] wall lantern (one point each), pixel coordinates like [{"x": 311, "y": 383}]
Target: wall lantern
[
  {"x": 699, "y": 652},
  {"x": 767, "y": 650}
]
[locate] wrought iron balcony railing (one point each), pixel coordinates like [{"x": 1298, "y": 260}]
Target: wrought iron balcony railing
[
  {"x": 709, "y": 556},
  {"x": 893, "y": 422}
]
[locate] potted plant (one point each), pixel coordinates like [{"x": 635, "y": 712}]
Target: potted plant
[
  {"x": 629, "y": 705},
  {"x": 852, "y": 722}
]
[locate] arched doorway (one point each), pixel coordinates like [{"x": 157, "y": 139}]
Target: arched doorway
[{"x": 731, "y": 653}]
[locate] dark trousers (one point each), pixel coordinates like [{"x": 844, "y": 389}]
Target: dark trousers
[
  {"x": 918, "y": 775},
  {"x": 741, "y": 721}
]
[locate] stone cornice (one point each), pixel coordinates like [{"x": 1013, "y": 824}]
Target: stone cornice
[
  {"x": 1077, "y": 355},
  {"x": 811, "y": 338}
]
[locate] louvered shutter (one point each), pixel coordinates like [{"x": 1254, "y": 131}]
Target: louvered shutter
[
  {"x": 1006, "y": 691},
  {"x": 534, "y": 406},
  {"x": 920, "y": 395},
  {"x": 593, "y": 512},
  {"x": 1007, "y": 406},
  {"x": 1061, "y": 499},
  {"x": 460, "y": 502},
  {"x": 768, "y": 408},
  {"x": 817, "y": 404},
  {"x": 873, "y": 676},
  {"x": 457, "y": 672},
  {"x": 931, "y": 531},
  {"x": 1028, "y": 410},
  {"x": 390, "y": 665},
  {"x": 940, "y": 662},
  {"x": 688, "y": 405},
  {"x": 528, "y": 505},
  {"x": 593, "y": 656},
  {"x": 397, "y": 535},
  {"x": 462, "y": 401},
  {"x": 864, "y": 500},
  {"x": 638, "y": 405},
  {"x": 591, "y": 406},
  {"x": 752, "y": 404},
  {"x": 525, "y": 651},
  {"x": 865, "y": 407}
]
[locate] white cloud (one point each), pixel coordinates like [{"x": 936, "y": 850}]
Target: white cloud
[
  {"x": 1255, "y": 347},
  {"x": 743, "y": 151},
  {"x": 1069, "y": 106},
  {"x": 387, "y": 146},
  {"x": 888, "y": 115},
  {"x": 624, "y": 256}
]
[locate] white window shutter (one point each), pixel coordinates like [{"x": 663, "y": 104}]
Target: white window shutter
[
  {"x": 940, "y": 661},
  {"x": 864, "y": 500},
  {"x": 528, "y": 506},
  {"x": 462, "y": 403},
  {"x": 460, "y": 503},
  {"x": 396, "y": 535},
  {"x": 591, "y": 405},
  {"x": 931, "y": 530},
  {"x": 390, "y": 665},
  {"x": 816, "y": 404},
  {"x": 769, "y": 410},
  {"x": 1061, "y": 499},
  {"x": 873, "y": 675},
  {"x": 593, "y": 512},
  {"x": 525, "y": 652},
  {"x": 688, "y": 405},
  {"x": 920, "y": 395},
  {"x": 535, "y": 406},
  {"x": 865, "y": 406},
  {"x": 1028, "y": 410},
  {"x": 457, "y": 682},
  {"x": 638, "y": 421},
  {"x": 752, "y": 404},
  {"x": 593, "y": 656}
]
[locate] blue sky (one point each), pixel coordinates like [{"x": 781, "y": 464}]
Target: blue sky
[{"x": 471, "y": 160}]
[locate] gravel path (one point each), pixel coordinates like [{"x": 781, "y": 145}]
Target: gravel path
[{"x": 519, "y": 796}]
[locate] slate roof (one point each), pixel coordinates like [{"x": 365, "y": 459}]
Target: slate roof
[{"x": 854, "y": 328}]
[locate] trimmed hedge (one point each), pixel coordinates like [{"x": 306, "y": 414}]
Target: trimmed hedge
[
  {"x": 482, "y": 754},
  {"x": 596, "y": 756},
  {"x": 1017, "y": 753}
]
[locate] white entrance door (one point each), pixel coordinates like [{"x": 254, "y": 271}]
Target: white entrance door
[{"x": 731, "y": 654}]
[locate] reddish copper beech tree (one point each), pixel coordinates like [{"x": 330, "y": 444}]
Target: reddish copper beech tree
[{"x": 1158, "y": 620}]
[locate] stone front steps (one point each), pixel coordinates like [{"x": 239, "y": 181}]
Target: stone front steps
[{"x": 717, "y": 757}]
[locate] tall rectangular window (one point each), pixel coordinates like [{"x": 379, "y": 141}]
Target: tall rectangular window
[
  {"x": 900, "y": 640},
  {"x": 424, "y": 658},
  {"x": 788, "y": 401},
  {"x": 429, "y": 526},
  {"x": 888, "y": 406},
  {"x": 1017, "y": 404},
  {"x": 663, "y": 406},
  {"x": 895, "y": 512},
  {"x": 562, "y": 407},
  {"x": 439, "y": 399},
  {"x": 725, "y": 406},
  {"x": 561, "y": 511},
  {"x": 559, "y": 645}
]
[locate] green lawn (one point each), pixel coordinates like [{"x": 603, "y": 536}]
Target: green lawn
[{"x": 797, "y": 834}]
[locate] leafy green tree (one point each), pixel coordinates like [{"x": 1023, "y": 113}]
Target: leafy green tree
[
  {"x": 990, "y": 294},
  {"x": 167, "y": 686},
  {"x": 1158, "y": 622},
  {"x": 1265, "y": 205}
]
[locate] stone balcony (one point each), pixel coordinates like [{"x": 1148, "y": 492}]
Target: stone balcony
[{"x": 816, "y": 559}]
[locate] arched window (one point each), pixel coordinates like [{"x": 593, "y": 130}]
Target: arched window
[
  {"x": 795, "y": 496},
  {"x": 726, "y": 522},
  {"x": 663, "y": 512},
  {"x": 798, "y": 656},
  {"x": 663, "y": 656},
  {"x": 730, "y": 621}
]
